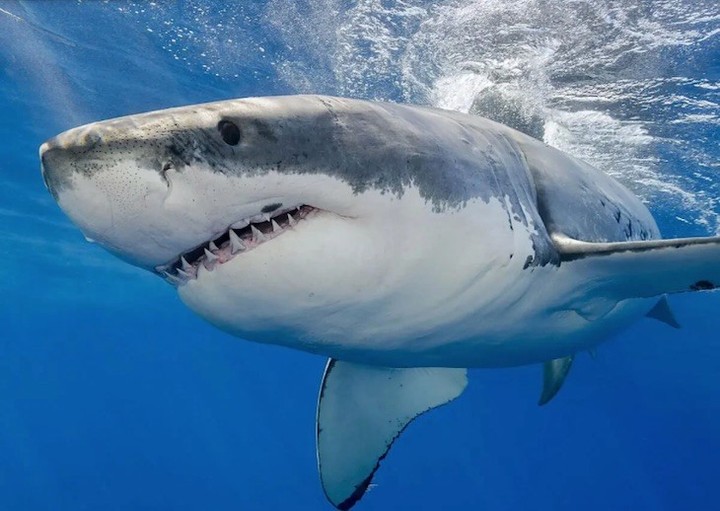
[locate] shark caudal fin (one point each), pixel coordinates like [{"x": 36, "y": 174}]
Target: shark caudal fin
[
  {"x": 362, "y": 410},
  {"x": 643, "y": 269}
]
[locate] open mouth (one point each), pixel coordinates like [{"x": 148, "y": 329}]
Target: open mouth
[{"x": 241, "y": 237}]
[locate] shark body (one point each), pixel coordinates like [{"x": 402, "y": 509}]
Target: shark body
[{"x": 405, "y": 244}]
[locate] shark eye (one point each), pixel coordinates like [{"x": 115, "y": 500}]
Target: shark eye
[{"x": 229, "y": 132}]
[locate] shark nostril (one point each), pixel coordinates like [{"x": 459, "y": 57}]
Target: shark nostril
[{"x": 167, "y": 166}]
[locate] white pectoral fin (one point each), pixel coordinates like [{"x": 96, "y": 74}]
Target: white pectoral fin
[
  {"x": 362, "y": 410},
  {"x": 642, "y": 269}
]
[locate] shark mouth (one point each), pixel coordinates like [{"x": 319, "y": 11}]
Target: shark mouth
[{"x": 241, "y": 237}]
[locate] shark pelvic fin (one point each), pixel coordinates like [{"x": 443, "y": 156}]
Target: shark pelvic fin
[
  {"x": 663, "y": 313},
  {"x": 362, "y": 410},
  {"x": 554, "y": 374}
]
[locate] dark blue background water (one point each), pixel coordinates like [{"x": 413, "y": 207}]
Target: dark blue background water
[{"x": 113, "y": 396}]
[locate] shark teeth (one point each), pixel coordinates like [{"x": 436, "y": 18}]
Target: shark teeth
[
  {"x": 240, "y": 224},
  {"x": 241, "y": 236},
  {"x": 172, "y": 279},
  {"x": 257, "y": 234},
  {"x": 209, "y": 256},
  {"x": 236, "y": 244}
]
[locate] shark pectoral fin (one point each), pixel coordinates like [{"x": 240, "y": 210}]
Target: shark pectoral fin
[
  {"x": 643, "y": 269},
  {"x": 362, "y": 410},
  {"x": 554, "y": 374},
  {"x": 663, "y": 313}
]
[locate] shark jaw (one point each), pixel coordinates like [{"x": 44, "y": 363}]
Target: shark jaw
[{"x": 240, "y": 238}]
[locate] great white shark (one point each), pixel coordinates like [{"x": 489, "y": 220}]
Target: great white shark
[{"x": 406, "y": 244}]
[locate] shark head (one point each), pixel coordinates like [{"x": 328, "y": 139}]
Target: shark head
[
  {"x": 153, "y": 187},
  {"x": 275, "y": 217}
]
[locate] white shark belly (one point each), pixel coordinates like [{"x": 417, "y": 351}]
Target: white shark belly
[
  {"x": 533, "y": 327},
  {"x": 449, "y": 300}
]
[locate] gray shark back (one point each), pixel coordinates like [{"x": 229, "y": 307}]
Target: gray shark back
[
  {"x": 452, "y": 158},
  {"x": 582, "y": 202},
  {"x": 449, "y": 157},
  {"x": 571, "y": 196}
]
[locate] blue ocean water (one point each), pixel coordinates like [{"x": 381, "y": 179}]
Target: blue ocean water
[{"x": 113, "y": 396}]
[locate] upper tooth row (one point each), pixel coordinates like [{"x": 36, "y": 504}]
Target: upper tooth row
[
  {"x": 263, "y": 217},
  {"x": 236, "y": 244}
]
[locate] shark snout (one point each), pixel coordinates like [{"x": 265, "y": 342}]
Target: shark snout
[
  {"x": 83, "y": 138},
  {"x": 43, "y": 165},
  {"x": 52, "y": 169},
  {"x": 61, "y": 155}
]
